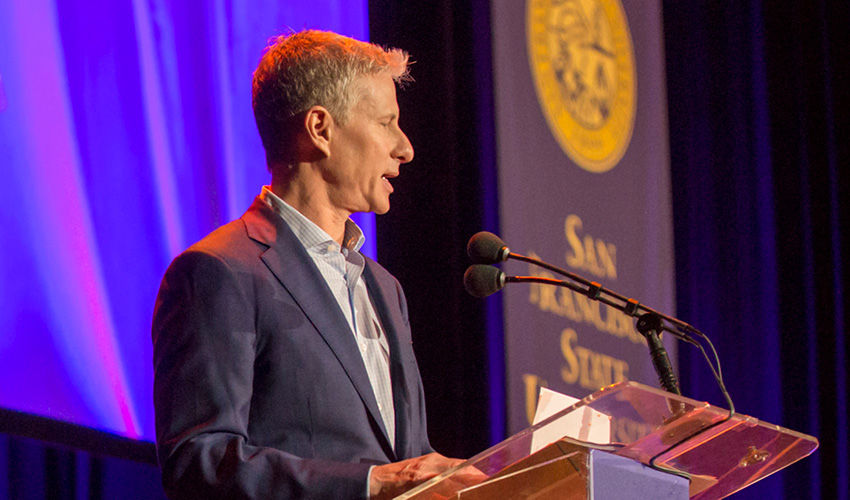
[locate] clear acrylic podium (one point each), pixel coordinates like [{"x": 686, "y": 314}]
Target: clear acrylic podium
[{"x": 696, "y": 443}]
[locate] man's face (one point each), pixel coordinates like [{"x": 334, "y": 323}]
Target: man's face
[{"x": 367, "y": 151}]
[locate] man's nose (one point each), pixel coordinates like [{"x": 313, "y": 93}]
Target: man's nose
[{"x": 404, "y": 151}]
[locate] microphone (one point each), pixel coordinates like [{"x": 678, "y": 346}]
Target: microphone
[
  {"x": 481, "y": 280},
  {"x": 487, "y": 248}
]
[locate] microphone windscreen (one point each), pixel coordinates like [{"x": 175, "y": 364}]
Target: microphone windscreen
[
  {"x": 481, "y": 280},
  {"x": 487, "y": 248}
]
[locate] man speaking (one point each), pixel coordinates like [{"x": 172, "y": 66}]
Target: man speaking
[{"x": 282, "y": 356}]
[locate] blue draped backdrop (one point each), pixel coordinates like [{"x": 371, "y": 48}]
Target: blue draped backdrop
[{"x": 126, "y": 134}]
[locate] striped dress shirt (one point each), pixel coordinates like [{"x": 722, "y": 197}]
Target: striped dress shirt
[{"x": 342, "y": 266}]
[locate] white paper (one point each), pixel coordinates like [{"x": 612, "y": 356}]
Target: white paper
[{"x": 584, "y": 424}]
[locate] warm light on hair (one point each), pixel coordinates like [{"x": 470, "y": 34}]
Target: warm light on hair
[{"x": 310, "y": 68}]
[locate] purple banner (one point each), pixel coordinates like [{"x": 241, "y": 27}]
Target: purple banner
[{"x": 583, "y": 184}]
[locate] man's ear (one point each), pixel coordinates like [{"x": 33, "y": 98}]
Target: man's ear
[{"x": 319, "y": 125}]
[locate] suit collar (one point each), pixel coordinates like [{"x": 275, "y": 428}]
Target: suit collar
[
  {"x": 308, "y": 233},
  {"x": 287, "y": 259}
]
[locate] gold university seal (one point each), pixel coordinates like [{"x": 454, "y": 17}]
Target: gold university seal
[{"x": 582, "y": 60}]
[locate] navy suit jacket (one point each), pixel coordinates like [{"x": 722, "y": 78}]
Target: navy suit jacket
[{"x": 259, "y": 389}]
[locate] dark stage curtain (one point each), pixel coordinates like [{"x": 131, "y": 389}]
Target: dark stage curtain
[
  {"x": 442, "y": 198},
  {"x": 759, "y": 126}
]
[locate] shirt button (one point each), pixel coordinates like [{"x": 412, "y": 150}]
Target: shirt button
[
  {"x": 363, "y": 347},
  {"x": 380, "y": 408}
]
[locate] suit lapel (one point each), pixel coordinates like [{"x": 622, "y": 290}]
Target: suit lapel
[
  {"x": 391, "y": 321},
  {"x": 287, "y": 259}
]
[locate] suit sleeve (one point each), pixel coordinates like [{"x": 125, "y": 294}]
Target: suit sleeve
[{"x": 204, "y": 337}]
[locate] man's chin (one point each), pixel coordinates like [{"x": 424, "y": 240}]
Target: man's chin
[{"x": 381, "y": 207}]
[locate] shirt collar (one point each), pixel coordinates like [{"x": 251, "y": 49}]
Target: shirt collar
[{"x": 308, "y": 233}]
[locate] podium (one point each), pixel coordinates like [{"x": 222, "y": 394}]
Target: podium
[{"x": 653, "y": 445}]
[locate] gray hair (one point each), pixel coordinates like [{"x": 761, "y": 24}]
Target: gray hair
[{"x": 300, "y": 70}]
